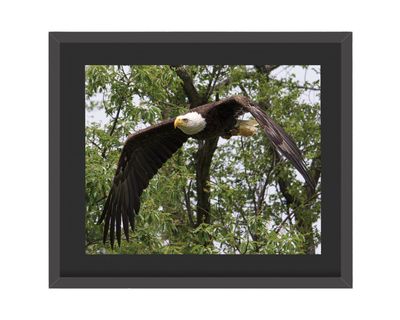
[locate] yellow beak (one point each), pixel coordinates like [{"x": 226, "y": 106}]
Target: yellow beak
[{"x": 178, "y": 121}]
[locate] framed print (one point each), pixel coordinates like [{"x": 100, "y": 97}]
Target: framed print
[{"x": 200, "y": 160}]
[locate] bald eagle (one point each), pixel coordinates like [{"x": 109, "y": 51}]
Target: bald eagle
[{"x": 145, "y": 151}]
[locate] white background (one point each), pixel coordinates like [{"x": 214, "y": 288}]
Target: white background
[{"x": 24, "y": 153}]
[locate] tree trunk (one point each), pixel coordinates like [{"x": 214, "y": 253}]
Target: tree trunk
[
  {"x": 204, "y": 153},
  {"x": 203, "y": 163}
]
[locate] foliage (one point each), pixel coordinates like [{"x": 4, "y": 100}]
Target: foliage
[{"x": 259, "y": 203}]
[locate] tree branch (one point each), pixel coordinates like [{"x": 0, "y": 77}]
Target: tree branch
[
  {"x": 211, "y": 85},
  {"x": 266, "y": 69},
  {"x": 191, "y": 92},
  {"x": 114, "y": 125},
  {"x": 303, "y": 225},
  {"x": 264, "y": 188},
  {"x": 188, "y": 204}
]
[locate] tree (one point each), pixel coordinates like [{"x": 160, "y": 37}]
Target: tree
[{"x": 239, "y": 198}]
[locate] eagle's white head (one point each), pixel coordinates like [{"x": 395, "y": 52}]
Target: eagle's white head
[{"x": 190, "y": 123}]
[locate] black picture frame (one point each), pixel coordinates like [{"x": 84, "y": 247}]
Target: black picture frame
[{"x": 70, "y": 267}]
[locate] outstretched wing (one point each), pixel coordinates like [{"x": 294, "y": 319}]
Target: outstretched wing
[
  {"x": 234, "y": 106},
  {"x": 142, "y": 155},
  {"x": 280, "y": 140}
]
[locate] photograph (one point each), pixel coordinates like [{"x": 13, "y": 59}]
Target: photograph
[{"x": 203, "y": 159}]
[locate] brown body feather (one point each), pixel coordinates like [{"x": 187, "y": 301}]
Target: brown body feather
[{"x": 147, "y": 150}]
